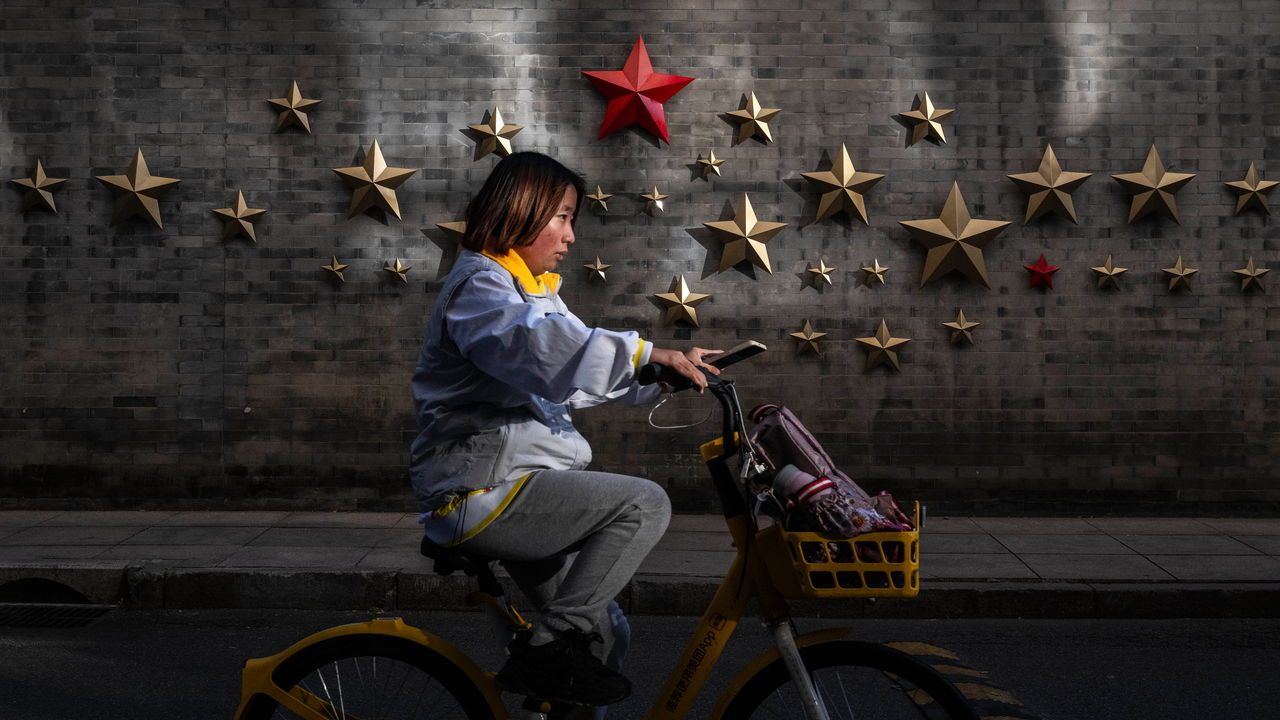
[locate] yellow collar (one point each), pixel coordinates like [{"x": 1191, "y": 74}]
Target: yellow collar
[{"x": 514, "y": 264}]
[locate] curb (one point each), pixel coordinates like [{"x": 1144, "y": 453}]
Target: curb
[{"x": 158, "y": 587}]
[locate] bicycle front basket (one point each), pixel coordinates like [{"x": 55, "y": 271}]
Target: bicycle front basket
[{"x": 808, "y": 565}]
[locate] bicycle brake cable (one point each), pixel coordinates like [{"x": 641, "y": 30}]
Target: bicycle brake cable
[{"x": 662, "y": 402}]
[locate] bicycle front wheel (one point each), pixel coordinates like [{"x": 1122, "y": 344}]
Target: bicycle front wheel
[
  {"x": 855, "y": 680},
  {"x": 372, "y": 677}
]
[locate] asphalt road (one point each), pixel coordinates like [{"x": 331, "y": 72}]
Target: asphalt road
[{"x": 177, "y": 665}]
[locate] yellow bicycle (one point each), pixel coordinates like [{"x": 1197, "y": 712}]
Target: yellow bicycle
[{"x": 386, "y": 668}]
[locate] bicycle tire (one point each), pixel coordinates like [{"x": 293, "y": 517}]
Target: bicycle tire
[
  {"x": 362, "y": 692},
  {"x": 890, "y": 683}
]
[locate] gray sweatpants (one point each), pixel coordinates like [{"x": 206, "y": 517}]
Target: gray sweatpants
[{"x": 571, "y": 540}]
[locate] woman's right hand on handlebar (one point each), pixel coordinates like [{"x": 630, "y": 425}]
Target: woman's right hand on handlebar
[{"x": 687, "y": 363}]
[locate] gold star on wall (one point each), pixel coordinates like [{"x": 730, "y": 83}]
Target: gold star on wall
[
  {"x": 1180, "y": 276},
  {"x": 293, "y": 109},
  {"x": 240, "y": 218},
  {"x": 709, "y": 165},
  {"x": 1252, "y": 191},
  {"x": 1251, "y": 276},
  {"x": 681, "y": 303},
  {"x": 399, "y": 270},
  {"x": 821, "y": 273},
  {"x": 1049, "y": 188},
  {"x": 1153, "y": 188},
  {"x": 808, "y": 339},
  {"x": 874, "y": 270},
  {"x": 881, "y": 348},
  {"x": 374, "y": 184},
  {"x": 600, "y": 200},
  {"x": 744, "y": 237},
  {"x": 961, "y": 329},
  {"x": 955, "y": 240},
  {"x": 137, "y": 191},
  {"x": 492, "y": 135},
  {"x": 455, "y": 231},
  {"x": 38, "y": 189},
  {"x": 925, "y": 121},
  {"x": 655, "y": 202},
  {"x": 596, "y": 269},
  {"x": 753, "y": 120},
  {"x": 842, "y": 188},
  {"x": 336, "y": 269},
  {"x": 1109, "y": 273}
]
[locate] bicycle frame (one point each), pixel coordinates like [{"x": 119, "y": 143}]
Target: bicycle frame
[{"x": 747, "y": 577}]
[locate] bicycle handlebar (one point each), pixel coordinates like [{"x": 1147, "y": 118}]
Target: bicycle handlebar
[
  {"x": 723, "y": 390},
  {"x": 657, "y": 372}
]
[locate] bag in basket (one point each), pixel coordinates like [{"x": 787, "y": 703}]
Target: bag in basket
[{"x": 815, "y": 495}]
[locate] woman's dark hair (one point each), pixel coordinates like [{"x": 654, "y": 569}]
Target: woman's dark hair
[{"x": 521, "y": 196}]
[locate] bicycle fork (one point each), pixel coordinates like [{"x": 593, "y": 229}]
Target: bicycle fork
[{"x": 784, "y": 636}]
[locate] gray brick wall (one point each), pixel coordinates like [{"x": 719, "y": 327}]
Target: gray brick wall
[{"x": 146, "y": 366}]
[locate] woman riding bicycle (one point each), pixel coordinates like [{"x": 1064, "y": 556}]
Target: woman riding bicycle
[{"x": 498, "y": 467}]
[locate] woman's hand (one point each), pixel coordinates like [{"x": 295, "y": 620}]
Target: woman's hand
[{"x": 687, "y": 363}]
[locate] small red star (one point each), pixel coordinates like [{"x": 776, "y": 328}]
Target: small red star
[
  {"x": 636, "y": 94},
  {"x": 1042, "y": 273}
]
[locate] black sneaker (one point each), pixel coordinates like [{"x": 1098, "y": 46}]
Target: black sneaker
[{"x": 563, "y": 670}]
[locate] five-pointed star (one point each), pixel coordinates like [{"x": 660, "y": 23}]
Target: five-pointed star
[
  {"x": 596, "y": 269},
  {"x": 374, "y": 184},
  {"x": 709, "y": 165},
  {"x": 1251, "y": 275},
  {"x": 925, "y": 121},
  {"x": 680, "y": 302},
  {"x": 821, "y": 273},
  {"x": 753, "y": 120},
  {"x": 240, "y": 218},
  {"x": 1049, "y": 188},
  {"x": 955, "y": 240},
  {"x": 1153, "y": 188},
  {"x": 136, "y": 191},
  {"x": 399, "y": 269},
  {"x": 600, "y": 199},
  {"x": 293, "y": 109},
  {"x": 1180, "y": 276},
  {"x": 492, "y": 135},
  {"x": 874, "y": 270},
  {"x": 636, "y": 94},
  {"x": 454, "y": 230},
  {"x": 1109, "y": 273},
  {"x": 655, "y": 202},
  {"x": 843, "y": 187},
  {"x": 808, "y": 338},
  {"x": 881, "y": 347},
  {"x": 1252, "y": 191},
  {"x": 744, "y": 237},
  {"x": 961, "y": 329},
  {"x": 336, "y": 268},
  {"x": 1042, "y": 273},
  {"x": 39, "y": 188}
]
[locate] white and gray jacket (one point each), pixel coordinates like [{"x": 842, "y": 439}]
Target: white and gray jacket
[{"x": 502, "y": 362}]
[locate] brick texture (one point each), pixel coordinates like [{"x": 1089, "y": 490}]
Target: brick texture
[{"x": 167, "y": 367}]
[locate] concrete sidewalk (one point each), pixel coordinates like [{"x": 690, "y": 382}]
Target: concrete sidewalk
[{"x": 970, "y": 567}]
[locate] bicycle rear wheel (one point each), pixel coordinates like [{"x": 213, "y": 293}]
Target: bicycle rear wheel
[
  {"x": 855, "y": 680},
  {"x": 374, "y": 677}
]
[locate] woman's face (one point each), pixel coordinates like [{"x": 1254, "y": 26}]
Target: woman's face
[{"x": 552, "y": 244}]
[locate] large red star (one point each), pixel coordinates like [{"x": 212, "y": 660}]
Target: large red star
[
  {"x": 636, "y": 94},
  {"x": 1042, "y": 273}
]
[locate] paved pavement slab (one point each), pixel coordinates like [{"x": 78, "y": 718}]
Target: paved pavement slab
[{"x": 979, "y": 566}]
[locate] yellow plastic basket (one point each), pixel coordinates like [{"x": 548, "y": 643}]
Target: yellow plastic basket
[{"x": 807, "y": 565}]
